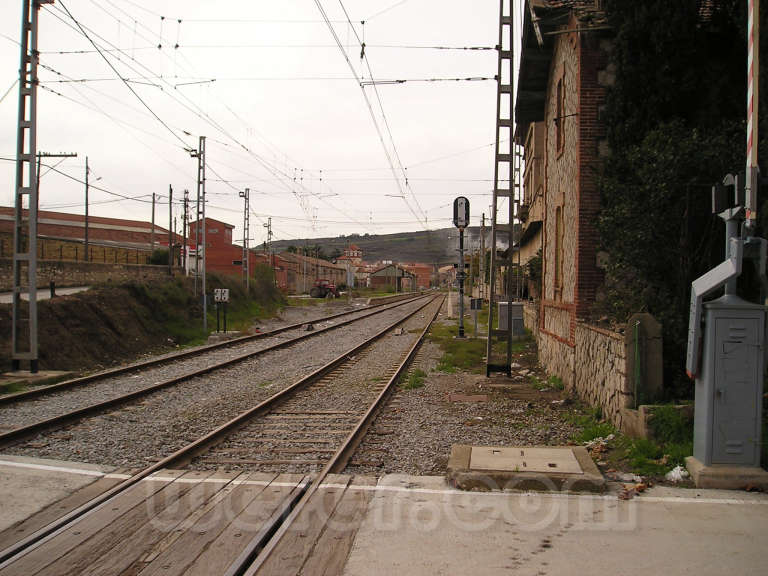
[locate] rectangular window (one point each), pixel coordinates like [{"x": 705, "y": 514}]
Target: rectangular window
[
  {"x": 213, "y": 230},
  {"x": 558, "y": 251},
  {"x": 237, "y": 262},
  {"x": 559, "y": 113}
]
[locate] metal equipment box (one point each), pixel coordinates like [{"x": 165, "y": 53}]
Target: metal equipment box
[
  {"x": 729, "y": 389},
  {"x": 518, "y": 323}
]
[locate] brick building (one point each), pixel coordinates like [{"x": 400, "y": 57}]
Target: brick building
[
  {"x": 423, "y": 273},
  {"x": 296, "y": 273},
  {"x": 393, "y": 277},
  {"x": 561, "y": 89},
  {"x": 61, "y": 236},
  {"x": 222, "y": 256}
]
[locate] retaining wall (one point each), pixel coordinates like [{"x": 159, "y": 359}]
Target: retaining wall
[
  {"x": 81, "y": 274},
  {"x": 594, "y": 365}
]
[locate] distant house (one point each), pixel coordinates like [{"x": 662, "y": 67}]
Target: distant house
[
  {"x": 393, "y": 277},
  {"x": 352, "y": 253},
  {"x": 297, "y": 273},
  {"x": 352, "y": 260},
  {"x": 221, "y": 255},
  {"x": 423, "y": 273}
]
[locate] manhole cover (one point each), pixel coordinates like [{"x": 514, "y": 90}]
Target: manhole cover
[{"x": 522, "y": 459}]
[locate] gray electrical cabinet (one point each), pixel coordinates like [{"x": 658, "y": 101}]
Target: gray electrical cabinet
[
  {"x": 518, "y": 322},
  {"x": 729, "y": 388}
]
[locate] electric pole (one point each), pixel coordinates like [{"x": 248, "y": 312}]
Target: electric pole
[
  {"x": 25, "y": 240},
  {"x": 152, "y": 234},
  {"x": 482, "y": 258},
  {"x": 170, "y": 230},
  {"x": 200, "y": 155},
  {"x": 186, "y": 224},
  {"x": 86, "y": 209},
  {"x": 246, "y": 234}
]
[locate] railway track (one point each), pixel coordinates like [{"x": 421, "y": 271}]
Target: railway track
[
  {"x": 179, "y": 517},
  {"x": 27, "y": 413}
]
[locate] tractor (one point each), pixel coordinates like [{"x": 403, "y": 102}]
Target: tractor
[{"x": 323, "y": 288}]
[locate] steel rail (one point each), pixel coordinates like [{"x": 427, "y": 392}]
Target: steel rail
[
  {"x": 187, "y": 453},
  {"x": 21, "y": 432},
  {"x": 258, "y": 551},
  {"x": 43, "y": 390}
]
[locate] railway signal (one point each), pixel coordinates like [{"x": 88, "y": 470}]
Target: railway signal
[{"x": 461, "y": 221}]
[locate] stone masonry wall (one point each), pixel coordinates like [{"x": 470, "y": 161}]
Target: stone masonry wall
[
  {"x": 562, "y": 168},
  {"x": 595, "y": 367},
  {"x": 600, "y": 377},
  {"x": 531, "y": 318},
  {"x": 81, "y": 274}
]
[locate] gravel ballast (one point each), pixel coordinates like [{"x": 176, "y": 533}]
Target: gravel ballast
[
  {"x": 55, "y": 403},
  {"x": 413, "y": 434},
  {"x": 145, "y": 431}
]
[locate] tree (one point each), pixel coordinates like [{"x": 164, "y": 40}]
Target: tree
[{"x": 676, "y": 125}]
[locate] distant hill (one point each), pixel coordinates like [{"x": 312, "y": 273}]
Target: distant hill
[{"x": 429, "y": 247}]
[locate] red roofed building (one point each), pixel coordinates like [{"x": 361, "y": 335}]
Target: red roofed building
[
  {"x": 222, "y": 256},
  {"x": 112, "y": 231},
  {"x": 424, "y": 274}
]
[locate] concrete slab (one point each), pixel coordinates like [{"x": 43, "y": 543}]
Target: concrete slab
[
  {"x": 524, "y": 459},
  {"x": 418, "y": 525},
  {"x": 726, "y": 477},
  {"x": 547, "y": 468},
  {"x": 25, "y": 378},
  {"x": 27, "y": 485},
  {"x": 43, "y": 293}
]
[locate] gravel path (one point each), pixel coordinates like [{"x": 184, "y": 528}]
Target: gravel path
[
  {"x": 147, "y": 430},
  {"x": 302, "y": 433},
  {"x": 413, "y": 434},
  {"x": 25, "y": 412}
]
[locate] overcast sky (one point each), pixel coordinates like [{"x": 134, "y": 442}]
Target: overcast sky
[{"x": 284, "y": 117}]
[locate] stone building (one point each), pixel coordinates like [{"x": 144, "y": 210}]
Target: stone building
[{"x": 561, "y": 91}]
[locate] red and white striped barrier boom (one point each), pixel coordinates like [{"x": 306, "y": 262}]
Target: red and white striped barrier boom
[{"x": 753, "y": 71}]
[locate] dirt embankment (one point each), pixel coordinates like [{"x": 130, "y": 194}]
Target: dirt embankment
[
  {"x": 101, "y": 327},
  {"x": 108, "y": 325}
]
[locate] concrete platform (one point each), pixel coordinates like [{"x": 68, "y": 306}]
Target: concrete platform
[
  {"x": 726, "y": 477},
  {"x": 29, "y": 485},
  {"x": 416, "y": 525},
  {"x": 562, "y": 468}
]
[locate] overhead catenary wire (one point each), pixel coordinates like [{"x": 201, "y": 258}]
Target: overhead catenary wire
[
  {"x": 185, "y": 145},
  {"x": 383, "y": 114},
  {"x": 269, "y": 167},
  {"x": 218, "y": 164},
  {"x": 370, "y": 108},
  {"x": 201, "y": 114}
]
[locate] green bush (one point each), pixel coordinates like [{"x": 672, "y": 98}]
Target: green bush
[
  {"x": 675, "y": 117},
  {"x": 159, "y": 257}
]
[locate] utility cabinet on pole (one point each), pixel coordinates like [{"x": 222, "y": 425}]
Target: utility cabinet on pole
[{"x": 726, "y": 355}]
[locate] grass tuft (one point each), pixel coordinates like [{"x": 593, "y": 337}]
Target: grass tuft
[
  {"x": 415, "y": 380},
  {"x": 468, "y": 354}
]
